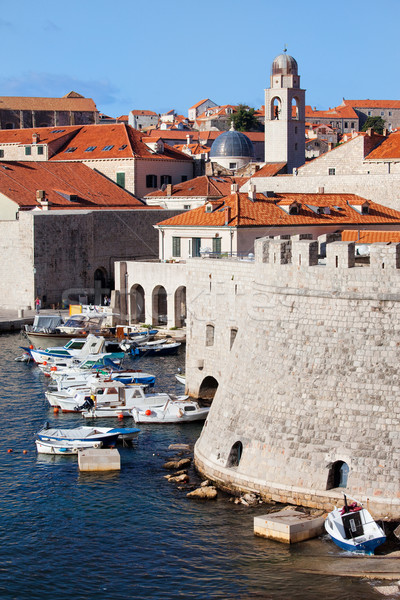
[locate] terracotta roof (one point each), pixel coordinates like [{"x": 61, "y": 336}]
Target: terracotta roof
[
  {"x": 46, "y": 134},
  {"x": 266, "y": 212},
  {"x": 269, "y": 170},
  {"x": 204, "y": 186},
  {"x": 146, "y": 113},
  {"x": 19, "y": 181},
  {"x": 340, "y": 112},
  {"x": 372, "y": 103},
  {"x": 117, "y": 140},
  {"x": 68, "y": 102},
  {"x": 200, "y": 103},
  {"x": 194, "y": 148},
  {"x": 201, "y": 136},
  {"x": 388, "y": 149},
  {"x": 370, "y": 237}
]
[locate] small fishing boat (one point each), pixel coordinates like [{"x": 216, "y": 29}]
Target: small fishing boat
[
  {"x": 64, "y": 446},
  {"x": 122, "y": 400},
  {"x": 173, "y": 411},
  {"x": 353, "y": 528},
  {"x": 181, "y": 378},
  {"x": 105, "y": 435},
  {"x": 155, "y": 349},
  {"x": 77, "y": 378},
  {"x": 77, "y": 349}
]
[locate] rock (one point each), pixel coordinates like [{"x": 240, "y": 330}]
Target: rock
[
  {"x": 205, "y": 483},
  {"x": 387, "y": 590},
  {"x": 206, "y": 493},
  {"x": 179, "y": 478},
  {"x": 249, "y": 499},
  {"x": 179, "y": 447},
  {"x": 397, "y": 532},
  {"x": 177, "y": 464}
]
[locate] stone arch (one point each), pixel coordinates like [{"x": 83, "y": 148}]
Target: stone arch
[
  {"x": 295, "y": 109},
  {"x": 159, "y": 306},
  {"x": 338, "y": 475},
  {"x": 276, "y": 108},
  {"x": 101, "y": 288},
  {"x": 180, "y": 306},
  {"x": 138, "y": 306},
  {"x": 208, "y": 388},
  {"x": 235, "y": 455}
]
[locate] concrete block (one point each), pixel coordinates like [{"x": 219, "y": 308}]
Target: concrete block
[
  {"x": 93, "y": 459},
  {"x": 288, "y": 526}
]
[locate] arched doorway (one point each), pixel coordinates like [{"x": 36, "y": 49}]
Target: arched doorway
[
  {"x": 180, "y": 306},
  {"x": 338, "y": 475},
  {"x": 138, "y": 312},
  {"x": 276, "y": 107},
  {"x": 159, "y": 305},
  {"x": 208, "y": 388},
  {"x": 100, "y": 285},
  {"x": 235, "y": 455}
]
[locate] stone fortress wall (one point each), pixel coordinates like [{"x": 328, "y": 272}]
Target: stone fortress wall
[{"x": 311, "y": 380}]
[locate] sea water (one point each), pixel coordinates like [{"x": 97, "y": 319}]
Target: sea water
[{"x": 132, "y": 534}]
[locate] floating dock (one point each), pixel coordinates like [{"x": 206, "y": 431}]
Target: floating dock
[{"x": 288, "y": 526}]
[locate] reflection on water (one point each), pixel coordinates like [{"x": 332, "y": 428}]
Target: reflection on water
[{"x": 129, "y": 534}]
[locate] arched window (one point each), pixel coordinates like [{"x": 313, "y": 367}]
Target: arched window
[
  {"x": 235, "y": 455},
  {"x": 338, "y": 475},
  {"x": 295, "y": 109},
  {"x": 137, "y": 304},
  {"x": 209, "y": 335},
  {"x": 276, "y": 106},
  {"x": 233, "y": 337}
]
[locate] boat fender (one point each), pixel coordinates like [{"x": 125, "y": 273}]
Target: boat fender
[{"x": 147, "y": 413}]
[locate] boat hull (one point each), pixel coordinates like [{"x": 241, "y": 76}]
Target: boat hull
[{"x": 43, "y": 447}]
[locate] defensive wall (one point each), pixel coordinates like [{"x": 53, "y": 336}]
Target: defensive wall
[{"x": 305, "y": 358}]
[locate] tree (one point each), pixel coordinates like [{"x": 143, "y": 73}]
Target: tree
[
  {"x": 375, "y": 123},
  {"x": 244, "y": 119}
]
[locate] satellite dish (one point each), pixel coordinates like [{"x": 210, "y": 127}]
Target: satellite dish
[{"x": 363, "y": 250}]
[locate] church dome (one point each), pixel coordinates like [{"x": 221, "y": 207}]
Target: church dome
[
  {"x": 284, "y": 64},
  {"x": 232, "y": 144}
]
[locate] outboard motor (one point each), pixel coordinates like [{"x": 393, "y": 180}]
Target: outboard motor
[{"x": 87, "y": 405}]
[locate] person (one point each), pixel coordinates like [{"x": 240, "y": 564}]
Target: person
[
  {"x": 38, "y": 304},
  {"x": 106, "y": 301}
]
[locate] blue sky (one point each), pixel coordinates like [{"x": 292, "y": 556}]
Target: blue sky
[{"x": 160, "y": 55}]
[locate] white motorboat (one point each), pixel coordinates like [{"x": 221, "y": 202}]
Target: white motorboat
[
  {"x": 108, "y": 436},
  {"x": 64, "y": 447},
  {"x": 79, "y": 377},
  {"x": 155, "y": 349},
  {"x": 128, "y": 397},
  {"x": 353, "y": 528},
  {"x": 181, "y": 378},
  {"x": 77, "y": 349},
  {"x": 173, "y": 411}
]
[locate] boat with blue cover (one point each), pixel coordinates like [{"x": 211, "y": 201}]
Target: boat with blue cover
[{"x": 108, "y": 436}]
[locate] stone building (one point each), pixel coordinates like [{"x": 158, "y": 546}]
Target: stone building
[
  {"x": 142, "y": 119},
  {"x": 343, "y": 119},
  {"x": 388, "y": 110},
  {"x": 26, "y": 112}
]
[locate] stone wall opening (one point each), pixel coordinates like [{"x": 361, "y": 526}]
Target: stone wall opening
[
  {"x": 338, "y": 475},
  {"x": 138, "y": 305},
  {"x": 180, "y": 306},
  {"x": 101, "y": 288},
  {"x": 208, "y": 388},
  {"x": 235, "y": 455},
  {"x": 159, "y": 305}
]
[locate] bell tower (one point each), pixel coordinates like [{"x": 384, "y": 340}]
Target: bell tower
[{"x": 285, "y": 115}]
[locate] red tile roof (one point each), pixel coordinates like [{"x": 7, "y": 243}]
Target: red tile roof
[
  {"x": 205, "y": 186},
  {"x": 71, "y": 101},
  {"x": 145, "y": 113},
  {"x": 194, "y": 148},
  {"x": 269, "y": 170},
  {"x": 372, "y": 103},
  {"x": 267, "y": 212},
  {"x": 370, "y": 237},
  {"x": 45, "y": 134},
  {"x": 388, "y": 149},
  {"x": 340, "y": 112},
  {"x": 199, "y": 103},
  {"x": 19, "y": 181}
]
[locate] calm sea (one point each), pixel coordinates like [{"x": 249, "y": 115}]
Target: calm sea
[{"x": 131, "y": 534}]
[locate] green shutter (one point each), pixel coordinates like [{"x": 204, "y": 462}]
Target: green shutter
[
  {"x": 176, "y": 246},
  {"x": 121, "y": 179},
  {"x": 216, "y": 245}
]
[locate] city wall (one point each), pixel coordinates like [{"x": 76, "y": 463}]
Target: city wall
[{"x": 311, "y": 379}]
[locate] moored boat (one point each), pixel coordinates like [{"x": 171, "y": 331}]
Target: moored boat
[
  {"x": 173, "y": 411},
  {"x": 105, "y": 435},
  {"x": 352, "y": 528},
  {"x": 64, "y": 446},
  {"x": 155, "y": 349}
]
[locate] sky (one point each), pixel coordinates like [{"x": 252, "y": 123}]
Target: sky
[{"x": 162, "y": 55}]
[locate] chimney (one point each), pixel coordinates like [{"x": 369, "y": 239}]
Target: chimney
[
  {"x": 40, "y": 194},
  {"x": 385, "y": 132},
  {"x": 252, "y": 192},
  {"x": 188, "y": 139},
  {"x": 227, "y": 211},
  {"x": 369, "y": 132},
  {"x": 35, "y": 138},
  {"x": 234, "y": 188},
  {"x": 330, "y": 146},
  {"x": 169, "y": 189},
  {"x": 321, "y": 190}
]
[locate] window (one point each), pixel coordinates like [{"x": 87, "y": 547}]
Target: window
[
  {"x": 1, "y": 153},
  {"x": 295, "y": 129},
  {"x": 121, "y": 179},
  {"x": 216, "y": 245},
  {"x": 295, "y": 146},
  {"x": 122, "y": 147},
  {"x": 232, "y": 165},
  {"x": 233, "y": 337},
  {"x": 165, "y": 179},
  {"x": 235, "y": 455},
  {"x": 369, "y": 113},
  {"x": 176, "y": 246},
  {"x": 186, "y": 207},
  {"x": 151, "y": 181},
  {"x": 352, "y": 125},
  {"x": 382, "y": 113},
  {"x": 72, "y": 149},
  {"x": 196, "y": 245},
  {"x": 107, "y": 148},
  {"x": 40, "y": 150},
  {"x": 346, "y": 124},
  {"x": 90, "y": 148},
  {"x": 338, "y": 475},
  {"x": 184, "y": 178},
  {"x": 390, "y": 113},
  {"x": 58, "y": 130},
  {"x": 209, "y": 335},
  {"x": 317, "y": 144},
  {"x": 331, "y": 171},
  {"x": 28, "y": 150}
]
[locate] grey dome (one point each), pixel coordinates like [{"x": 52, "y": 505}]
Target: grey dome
[
  {"x": 284, "y": 64},
  {"x": 232, "y": 144}
]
